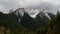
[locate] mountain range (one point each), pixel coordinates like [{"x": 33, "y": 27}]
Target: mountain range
[{"x": 29, "y": 18}]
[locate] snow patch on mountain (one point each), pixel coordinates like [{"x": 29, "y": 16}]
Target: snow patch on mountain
[{"x": 32, "y": 12}]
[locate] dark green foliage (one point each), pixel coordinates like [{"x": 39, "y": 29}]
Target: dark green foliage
[
  {"x": 9, "y": 23},
  {"x": 54, "y": 24},
  {"x": 12, "y": 16}
]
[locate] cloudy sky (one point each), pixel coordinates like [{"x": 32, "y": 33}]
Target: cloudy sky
[{"x": 51, "y": 5}]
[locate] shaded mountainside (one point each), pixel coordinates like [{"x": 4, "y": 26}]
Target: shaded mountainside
[
  {"x": 10, "y": 22},
  {"x": 42, "y": 19},
  {"x": 29, "y": 22}
]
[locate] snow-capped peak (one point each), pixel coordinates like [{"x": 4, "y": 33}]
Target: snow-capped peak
[
  {"x": 44, "y": 13},
  {"x": 19, "y": 11},
  {"x": 32, "y": 12}
]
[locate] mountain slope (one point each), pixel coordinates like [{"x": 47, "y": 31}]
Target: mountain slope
[
  {"x": 10, "y": 23},
  {"x": 43, "y": 17},
  {"x": 28, "y": 22}
]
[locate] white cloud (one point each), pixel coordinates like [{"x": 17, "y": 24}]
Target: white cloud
[
  {"x": 29, "y": 3},
  {"x": 8, "y": 4}
]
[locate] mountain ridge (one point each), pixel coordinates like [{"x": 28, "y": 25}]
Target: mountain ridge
[{"x": 20, "y": 12}]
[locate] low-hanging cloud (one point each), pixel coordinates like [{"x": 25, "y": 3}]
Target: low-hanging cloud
[{"x": 49, "y": 4}]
